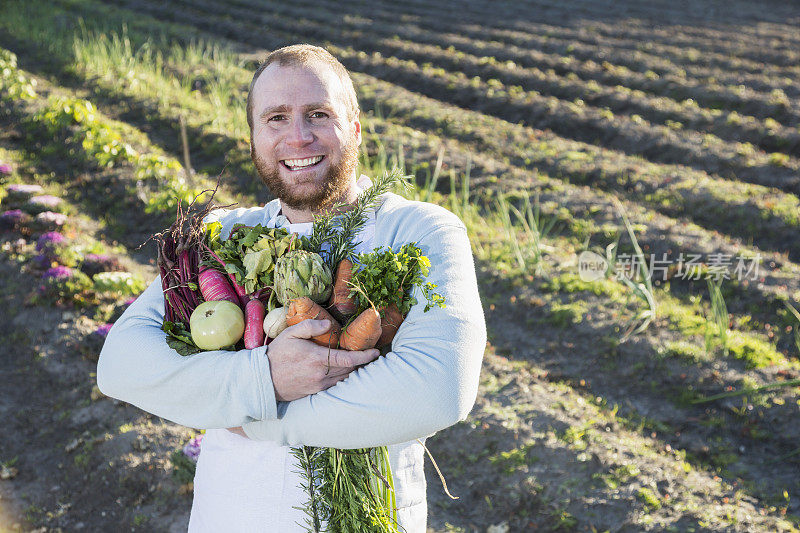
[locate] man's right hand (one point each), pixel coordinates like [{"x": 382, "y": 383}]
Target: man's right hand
[{"x": 301, "y": 367}]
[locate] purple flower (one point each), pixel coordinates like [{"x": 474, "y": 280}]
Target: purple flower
[
  {"x": 11, "y": 219},
  {"x": 129, "y": 301},
  {"x": 103, "y": 330},
  {"x": 192, "y": 448},
  {"x": 48, "y": 240},
  {"x": 13, "y": 216},
  {"x": 58, "y": 272},
  {"x": 5, "y": 168},
  {"x": 24, "y": 189}
]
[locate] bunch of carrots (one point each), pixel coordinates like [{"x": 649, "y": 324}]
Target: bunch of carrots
[{"x": 366, "y": 330}]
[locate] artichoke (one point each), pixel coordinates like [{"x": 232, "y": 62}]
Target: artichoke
[{"x": 300, "y": 273}]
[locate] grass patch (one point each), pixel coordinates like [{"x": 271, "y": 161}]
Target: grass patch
[
  {"x": 512, "y": 460},
  {"x": 649, "y": 498},
  {"x": 565, "y": 315}
]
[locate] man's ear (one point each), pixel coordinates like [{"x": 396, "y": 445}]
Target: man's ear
[{"x": 357, "y": 127}]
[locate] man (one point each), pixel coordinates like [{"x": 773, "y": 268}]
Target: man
[{"x": 305, "y": 133}]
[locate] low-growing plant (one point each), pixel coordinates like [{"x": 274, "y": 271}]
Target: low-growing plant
[
  {"x": 649, "y": 498},
  {"x": 118, "y": 284},
  {"x": 75, "y": 120},
  {"x": 638, "y": 281},
  {"x": 64, "y": 285},
  {"x": 14, "y": 85}
]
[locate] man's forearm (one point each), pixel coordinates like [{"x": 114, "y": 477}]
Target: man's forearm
[{"x": 207, "y": 390}]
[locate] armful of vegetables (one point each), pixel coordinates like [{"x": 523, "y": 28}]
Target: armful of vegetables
[{"x": 213, "y": 288}]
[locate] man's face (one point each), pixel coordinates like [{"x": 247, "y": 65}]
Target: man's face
[{"x": 303, "y": 145}]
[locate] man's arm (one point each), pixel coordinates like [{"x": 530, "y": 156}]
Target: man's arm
[
  {"x": 214, "y": 389},
  {"x": 428, "y": 382}
]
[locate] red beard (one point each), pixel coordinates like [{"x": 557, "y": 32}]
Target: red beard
[{"x": 333, "y": 188}]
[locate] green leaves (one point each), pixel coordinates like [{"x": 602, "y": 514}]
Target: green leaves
[
  {"x": 250, "y": 252},
  {"x": 257, "y": 262},
  {"x": 389, "y": 278},
  {"x": 179, "y": 338}
]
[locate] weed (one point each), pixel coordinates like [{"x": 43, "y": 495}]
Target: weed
[
  {"x": 514, "y": 459},
  {"x": 638, "y": 282},
  {"x": 719, "y": 315},
  {"x": 649, "y": 498},
  {"x": 684, "y": 350},
  {"x": 564, "y": 315}
]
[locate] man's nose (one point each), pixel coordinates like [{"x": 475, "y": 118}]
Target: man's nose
[{"x": 299, "y": 133}]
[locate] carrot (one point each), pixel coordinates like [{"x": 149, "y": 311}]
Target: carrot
[
  {"x": 305, "y": 308},
  {"x": 214, "y": 286},
  {"x": 254, "y": 324},
  {"x": 363, "y": 332},
  {"x": 390, "y": 323},
  {"x": 342, "y": 305}
]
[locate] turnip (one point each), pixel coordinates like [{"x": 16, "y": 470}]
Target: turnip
[{"x": 275, "y": 322}]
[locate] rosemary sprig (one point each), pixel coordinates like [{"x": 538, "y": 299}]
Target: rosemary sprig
[
  {"x": 338, "y": 231},
  {"x": 309, "y": 460}
]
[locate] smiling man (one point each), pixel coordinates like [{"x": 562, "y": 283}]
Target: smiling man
[{"x": 305, "y": 133}]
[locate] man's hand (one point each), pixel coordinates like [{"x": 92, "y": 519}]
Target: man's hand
[{"x": 301, "y": 367}]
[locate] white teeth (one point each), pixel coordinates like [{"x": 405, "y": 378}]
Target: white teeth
[{"x": 299, "y": 163}]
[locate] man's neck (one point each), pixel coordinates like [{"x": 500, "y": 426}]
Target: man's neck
[{"x": 299, "y": 216}]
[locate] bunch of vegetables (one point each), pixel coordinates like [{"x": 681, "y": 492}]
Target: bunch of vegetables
[{"x": 259, "y": 281}]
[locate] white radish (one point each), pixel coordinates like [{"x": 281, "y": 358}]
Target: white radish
[{"x": 275, "y": 322}]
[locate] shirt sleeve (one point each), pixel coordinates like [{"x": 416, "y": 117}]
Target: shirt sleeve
[
  {"x": 427, "y": 382},
  {"x": 214, "y": 389}
]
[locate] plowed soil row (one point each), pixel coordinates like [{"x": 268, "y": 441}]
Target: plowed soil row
[
  {"x": 583, "y": 123},
  {"x": 431, "y": 47}
]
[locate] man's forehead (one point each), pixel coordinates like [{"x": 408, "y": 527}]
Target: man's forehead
[{"x": 280, "y": 85}]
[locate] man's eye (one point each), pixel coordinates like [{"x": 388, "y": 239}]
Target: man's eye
[
  {"x": 318, "y": 114},
  {"x": 276, "y": 118}
]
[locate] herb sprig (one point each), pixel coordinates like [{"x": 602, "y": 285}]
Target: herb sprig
[
  {"x": 389, "y": 278},
  {"x": 334, "y": 232}
]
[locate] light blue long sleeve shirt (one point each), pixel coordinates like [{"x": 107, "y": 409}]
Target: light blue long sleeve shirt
[{"x": 427, "y": 382}]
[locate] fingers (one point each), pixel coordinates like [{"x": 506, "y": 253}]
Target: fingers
[
  {"x": 308, "y": 328},
  {"x": 351, "y": 359},
  {"x": 333, "y": 381}
]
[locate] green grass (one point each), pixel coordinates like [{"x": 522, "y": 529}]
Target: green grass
[{"x": 568, "y": 314}]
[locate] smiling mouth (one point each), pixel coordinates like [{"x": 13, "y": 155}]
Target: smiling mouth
[{"x": 301, "y": 164}]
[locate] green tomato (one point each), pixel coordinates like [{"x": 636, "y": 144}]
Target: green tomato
[{"x": 215, "y": 325}]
